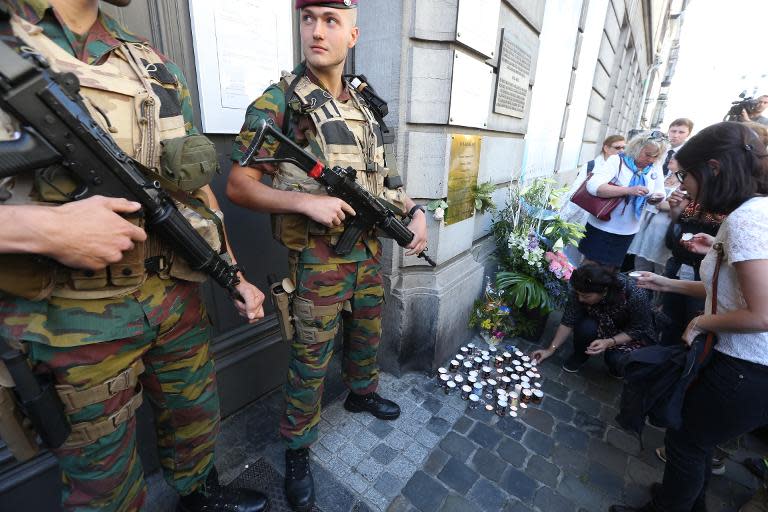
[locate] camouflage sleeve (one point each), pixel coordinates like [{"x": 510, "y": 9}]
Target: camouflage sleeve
[
  {"x": 270, "y": 107},
  {"x": 184, "y": 97}
]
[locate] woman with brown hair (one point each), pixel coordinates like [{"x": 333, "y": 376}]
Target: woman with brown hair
[{"x": 725, "y": 169}]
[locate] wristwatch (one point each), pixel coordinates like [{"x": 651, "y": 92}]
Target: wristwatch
[{"x": 413, "y": 210}]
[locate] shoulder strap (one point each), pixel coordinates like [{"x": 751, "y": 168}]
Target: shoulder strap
[
  {"x": 590, "y": 166},
  {"x": 716, "y": 275}
]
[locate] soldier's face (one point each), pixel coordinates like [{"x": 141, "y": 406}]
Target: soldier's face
[{"x": 327, "y": 34}]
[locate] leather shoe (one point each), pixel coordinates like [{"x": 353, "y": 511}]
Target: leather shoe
[
  {"x": 299, "y": 485},
  {"x": 214, "y": 496},
  {"x": 380, "y": 407}
]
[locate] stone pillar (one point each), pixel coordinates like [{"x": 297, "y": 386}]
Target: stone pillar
[{"x": 406, "y": 50}]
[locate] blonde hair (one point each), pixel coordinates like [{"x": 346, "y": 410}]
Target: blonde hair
[{"x": 643, "y": 139}]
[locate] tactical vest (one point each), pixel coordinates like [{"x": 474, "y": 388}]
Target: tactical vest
[
  {"x": 346, "y": 134},
  {"x": 130, "y": 97}
]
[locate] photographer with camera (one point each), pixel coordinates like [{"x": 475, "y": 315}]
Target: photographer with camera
[{"x": 751, "y": 110}]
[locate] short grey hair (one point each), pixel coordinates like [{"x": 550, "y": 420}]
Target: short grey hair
[{"x": 656, "y": 139}]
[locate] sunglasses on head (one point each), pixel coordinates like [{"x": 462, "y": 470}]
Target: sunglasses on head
[{"x": 657, "y": 135}]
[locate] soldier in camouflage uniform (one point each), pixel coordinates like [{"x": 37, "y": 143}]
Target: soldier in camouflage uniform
[
  {"x": 323, "y": 112},
  {"x": 111, "y": 314}
]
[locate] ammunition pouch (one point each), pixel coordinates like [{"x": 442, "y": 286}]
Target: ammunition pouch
[
  {"x": 306, "y": 314},
  {"x": 15, "y": 429},
  {"x": 189, "y": 162}
]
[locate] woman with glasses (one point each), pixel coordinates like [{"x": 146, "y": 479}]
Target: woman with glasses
[
  {"x": 725, "y": 168},
  {"x": 571, "y": 212},
  {"x": 634, "y": 176}
]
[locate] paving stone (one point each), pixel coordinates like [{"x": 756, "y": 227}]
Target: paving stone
[
  {"x": 607, "y": 455},
  {"x": 488, "y": 464},
  {"x": 388, "y": 485},
  {"x": 569, "y": 460},
  {"x": 380, "y": 429},
  {"x": 481, "y": 415},
  {"x": 348, "y": 428},
  {"x": 357, "y": 482},
  {"x": 635, "y": 495},
  {"x": 370, "y": 469},
  {"x": 420, "y": 415},
  {"x": 427, "y": 438},
  {"x": 543, "y": 471},
  {"x": 572, "y": 381},
  {"x": 416, "y": 453},
  {"x": 334, "y": 414},
  {"x": 593, "y": 426},
  {"x": 549, "y": 500},
  {"x": 558, "y": 409},
  {"x": 516, "y": 506},
  {"x": 402, "y": 467},
  {"x": 608, "y": 414},
  {"x": 425, "y": 492},
  {"x": 511, "y": 427},
  {"x": 519, "y": 485},
  {"x": 351, "y": 454},
  {"x": 333, "y": 441},
  {"x": 583, "y": 403},
  {"x": 458, "y": 476},
  {"x": 512, "y": 452},
  {"x": 538, "y": 419},
  {"x": 436, "y": 461},
  {"x": 417, "y": 395},
  {"x": 623, "y": 441},
  {"x": 571, "y": 437},
  {"x": 463, "y": 424},
  {"x": 606, "y": 481},
  {"x": 553, "y": 388},
  {"x": 642, "y": 474},
  {"x": 432, "y": 404},
  {"x": 487, "y": 496},
  {"x": 319, "y": 453},
  {"x": 484, "y": 436},
  {"x": 375, "y": 498},
  {"x": 457, "y": 446},
  {"x": 438, "y": 426},
  {"x": 450, "y": 414},
  {"x": 398, "y": 440},
  {"x": 365, "y": 440},
  {"x": 579, "y": 493},
  {"x": 538, "y": 443},
  {"x": 401, "y": 504},
  {"x": 409, "y": 427},
  {"x": 455, "y": 503},
  {"x": 383, "y": 454}
]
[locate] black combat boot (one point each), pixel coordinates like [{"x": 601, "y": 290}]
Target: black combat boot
[
  {"x": 380, "y": 407},
  {"x": 299, "y": 486},
  {"x": 213, "y": 497}
]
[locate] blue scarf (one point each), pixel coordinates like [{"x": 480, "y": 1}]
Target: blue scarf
[{"x": 638, "y": 178}]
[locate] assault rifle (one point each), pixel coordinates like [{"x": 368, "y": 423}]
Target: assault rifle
[
  {"x": 338, "y": 182},
  {"x": 58, "y": 129}
]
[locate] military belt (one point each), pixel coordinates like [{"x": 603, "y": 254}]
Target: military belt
[
  {"x": 74, "y": 400},
  {"x": 89, "y": 432}
]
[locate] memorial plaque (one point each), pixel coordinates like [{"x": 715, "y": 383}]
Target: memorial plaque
[
  {"x": 462, "y": 176},
  {"x": 236, "y": 61},
  {"x": 476, "y": 25},
  {"x": 514, "y": 77},
  {"x": 471, "y": 89}
]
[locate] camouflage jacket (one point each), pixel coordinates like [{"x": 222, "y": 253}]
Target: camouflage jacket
[
  {"x": 70, "y": 322},
  {"x": 271, "y": 107}
]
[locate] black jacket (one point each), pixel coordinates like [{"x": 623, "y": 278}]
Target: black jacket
[{"x": 655, "y": 381}]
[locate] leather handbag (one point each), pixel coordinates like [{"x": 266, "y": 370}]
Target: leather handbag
[{"x": 600, "y": 207}]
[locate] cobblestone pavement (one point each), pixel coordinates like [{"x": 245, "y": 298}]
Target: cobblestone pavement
[{"x": 566, "y": 454}]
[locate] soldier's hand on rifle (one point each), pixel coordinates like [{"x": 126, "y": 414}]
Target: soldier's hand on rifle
[
  {"x": 326, "y": 210},
  {"x": 418, "y": 227},
  {"x": 253, "y": 307},
  {"x": 88, "y": 234}
]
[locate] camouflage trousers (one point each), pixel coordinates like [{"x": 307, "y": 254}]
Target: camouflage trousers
[
  {"x": 179, "y": 381},
  {"x": 358, "y": 284}
]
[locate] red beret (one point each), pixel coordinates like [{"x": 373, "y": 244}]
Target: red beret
[{"x": 338, "y": 4}]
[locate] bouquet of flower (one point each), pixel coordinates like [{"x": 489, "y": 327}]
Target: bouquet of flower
[
  {"x": 533, "y": 270},
  {"x": 492, "y": 316}
]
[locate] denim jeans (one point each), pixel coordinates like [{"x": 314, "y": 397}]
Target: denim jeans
[
  {"x": 727, "y": 400},
  {"x": 584, "y": 333}
]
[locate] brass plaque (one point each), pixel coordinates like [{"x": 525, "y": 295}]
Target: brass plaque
[{"x": 462, "y": 176}]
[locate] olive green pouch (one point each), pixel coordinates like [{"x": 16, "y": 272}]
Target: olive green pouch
[{"x": 189, "y": 161}]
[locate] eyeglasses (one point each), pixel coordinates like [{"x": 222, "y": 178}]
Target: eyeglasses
[
  {"x": 681, "y": 174},
  {"x": 618, "y": 148},
  {"x": 657, "y": 135}
]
